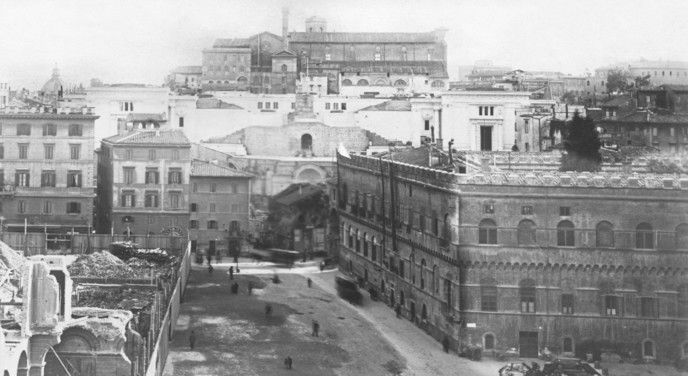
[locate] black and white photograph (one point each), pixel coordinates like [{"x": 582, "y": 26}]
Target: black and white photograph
[{"x": 343, "y": 188}]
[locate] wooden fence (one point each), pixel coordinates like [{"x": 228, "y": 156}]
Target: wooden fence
[
  {"x": 165, "y": 331},
  {"x": 42, "y": 243}
]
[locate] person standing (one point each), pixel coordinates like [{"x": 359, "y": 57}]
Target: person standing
[
  {"x": 445, "y": 344},
  {"x": 316, "y": 328},
  {"x": 310, "y": 282},
  {"x": 231, "y": 273},
  {"x": 192, "y": 339}
]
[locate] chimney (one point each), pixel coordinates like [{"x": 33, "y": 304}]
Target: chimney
[{"x": 285, "y": 27}]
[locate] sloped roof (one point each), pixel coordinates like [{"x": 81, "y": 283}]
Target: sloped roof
[
  {"x": 617, "y": 102},
  {"x": 333, "y": 37},
  {"x": 675, "y": 87},
  {"x": 642, "y": 117},
  {"x": 206, "y": 103},
  {"x": 392, "y": 105},
  {"x": 154, "y": 137},
  {"x": 375, "y": 139},
  {"x": 207, "y": 169},
  {"x": 297, "y": 192},
  {"x": 284, "y": 53},
  {"x": 231, "y": 42}
]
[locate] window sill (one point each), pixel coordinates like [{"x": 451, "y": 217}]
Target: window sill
[
  {"x": 267, "y": 111},
  {"x": 336, "y": 111}
]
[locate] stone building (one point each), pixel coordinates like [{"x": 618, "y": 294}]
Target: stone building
[
  {"x": 576, "y": 263},
  {"x": 47, "y": 170},
  {"x": 4, "y": 94},
  {"x": 185, "y": 77},
  {"x": 143, "y": 183},
  {"x": 219, "y": 206}
]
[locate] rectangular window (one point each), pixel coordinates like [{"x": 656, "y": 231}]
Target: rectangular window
[
  {"x": 175, "y": 155},
  {"x": 193, "y": 224},
  {"x": 175, "y": 200},
  {"x": 343, "y": 107},
  {"x": 488, "y": 208},
  {"x": 129, "y": 175},
  {"x": 47, "y": 178},
  {"x": 480, "y": 110},
  {"x": 275, "y": 105},
  {"x": 293, "y": 105},
  {"x": 181, "y": 122},
  {"x": 327, "y": 105},
  {"x": 174, "y": 176},
  {"x": 564, "y": 211},
  {"x": 527, "y": 210},
  {"x": 260, "y": 105},
  {"x": 528, "y": 300},
  {"x": 427, "y": 125},
  {"x": 212, "y": 208},
  {"x": 488, "y": 298},
  {"x": 152, "y": 176},
  {"x": 21, "y": 178},
  {"x": 128, "y": 199},
  {"x": 76, "y": 130},
  {"x": 194, "y": 187},
  {"x": 611, "y": 304},
  {"x": 23, "y": 151},
  {"x": 73, "y": 207},
  {"x": 193, "y": 207},
  {"x": 151, "y": 155},
  {"x": 567, "y": 304},
  {"x": 48, "y": 151},
  {"x": 2, "y": 151},
  {"x": 526, "y": 127},
  {"x": 47, "y": 207},
  {"x": 49, "y": 130},
  {"x": 335, "y": 106},
  {"x": 74, "y": 179},
  {"x": 213, "y": 187},
  {"x": 75, "y": 151},
  {"x": 128, "y": 154},
  {"x": 23, "y": 129},
  {"x": 212, "y": 225},
  {"x": 491, "y": 111},
  {"x": 648, "y": 307},
  {"x": 267, "y": 105},
  {"x": 21, "y": 206},
  {"x": 151, "y": 200}
]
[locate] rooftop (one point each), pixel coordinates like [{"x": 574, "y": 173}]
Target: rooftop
[
  {"x": 141, "y": 117},
  {"x": 153, "y": 137},
  {"x": 334, "y": 37},
  {"x": 393, "y": 105},
  {"x": 189, "y": 69},
  {"x": 207, "y": 169},
  {"x": 433, "y": 68},
  {"x": 297, "y": 192}
]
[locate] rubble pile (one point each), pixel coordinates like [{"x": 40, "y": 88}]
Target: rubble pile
[{"x": 101, "y": 264}]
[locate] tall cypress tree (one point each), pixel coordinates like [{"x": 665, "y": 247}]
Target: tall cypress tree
[{"x": 582, "y": 146}]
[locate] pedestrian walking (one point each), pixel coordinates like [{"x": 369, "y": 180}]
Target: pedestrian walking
[
  {"x": 210, "y": 269},
  {"x": 445, "y": 344},
  {"x": 231, "y": 273},
  {"x": 268, "y": 309},
  {"x": 288, "y": 362},
  {"x": 310, "y": 282},
  {"x": 192, "y": 339},
  {"x": 208, "y": 257},
  {"x": 235, "y": 288},
  {"x": 250, "y": 287}
]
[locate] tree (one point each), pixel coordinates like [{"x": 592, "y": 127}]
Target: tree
[
  {"x": 642, "y": 81},
  {"x": 96, "y": 82},
  {"x": 617, "y": 81},
  {"x": 569, "y": 97},
  {"x": 582, "y": 146}
]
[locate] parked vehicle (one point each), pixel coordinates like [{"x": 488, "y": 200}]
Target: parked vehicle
[
  {"x": 570, "y": 367},
  {"x": 348, "y": 289}
]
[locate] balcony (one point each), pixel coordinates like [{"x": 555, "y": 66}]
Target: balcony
[{"x": 7, "y": 190}]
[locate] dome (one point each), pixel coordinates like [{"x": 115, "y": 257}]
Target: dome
[{"x": 53, "y": 85}]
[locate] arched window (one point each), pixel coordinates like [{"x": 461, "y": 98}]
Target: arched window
[
  {"x": 284, "y": 67},
  {"x": 435, "y": 279},
  {"x": 489, "y": 341},
  {"x": 358, "y": 242},
  {"x": 400, "y": 83},
  {"x": 446, "y": 231},
  {"x": 565, "y": 234},
  {"x": 527, "y": 295},
  {"x": 488, "y": 295},
  {"x": 649, "y": 347},
  {"x": 644, "y": 236},
  {"x": 373, "y": 249},
  {"x": 350, "y": 243},
  {"x": 365, "y": 244},
  {"x": 306, "y": 142},
  {"x": 422, "y": 273},
  {"x": 343, "y": 196},
  {"x": 404, "y": 53},
  {"x": 682, "y": 236},
  {"x": 604, "y": 234},
  {"x": 242, "y": 80},
  {"x": 487, "y": 232},
  {"x": 380, "y": 82},
  {"x": 567, "y": 345},
  {"x": 526, "y": 232},
  {"x": 362, "y": 82},
  {"x": 346, "y": 82},
  {"x": 352, "y": 53},
  {"x": 412, "y": 268}
]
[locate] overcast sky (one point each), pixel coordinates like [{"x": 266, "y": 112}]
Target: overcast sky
[{"x": 142, "y": 40}]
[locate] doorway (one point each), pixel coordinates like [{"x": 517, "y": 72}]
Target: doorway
[
  {"x": 528, "y": 344},
  {"x": 486, "y": 138}
]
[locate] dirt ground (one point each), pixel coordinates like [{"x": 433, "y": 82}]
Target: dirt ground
[{"x": 234, "y": 336}]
